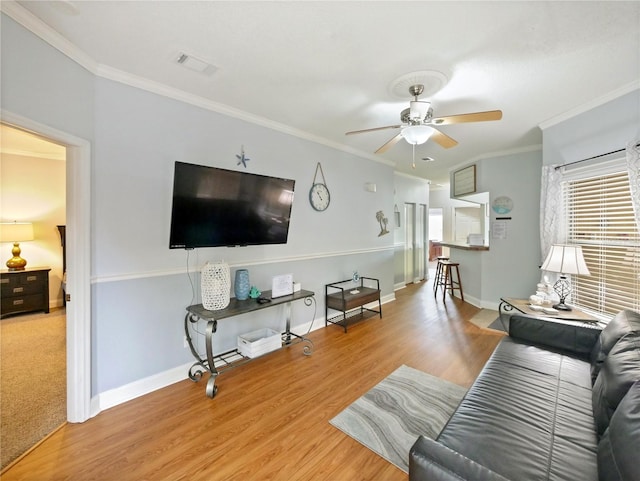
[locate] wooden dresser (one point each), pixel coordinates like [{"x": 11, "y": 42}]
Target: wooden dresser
[{"x": 24, "y": 291}]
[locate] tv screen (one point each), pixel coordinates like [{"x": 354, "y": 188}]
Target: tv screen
[{"x": 215, "y": 207}]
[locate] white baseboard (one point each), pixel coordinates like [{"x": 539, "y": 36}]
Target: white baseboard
[
  {"x": 122, "y": 394},
  {"x": 113, "y": 397}
]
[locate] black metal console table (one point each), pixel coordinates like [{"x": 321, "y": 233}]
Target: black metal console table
[{"x": 216, "y": 364}]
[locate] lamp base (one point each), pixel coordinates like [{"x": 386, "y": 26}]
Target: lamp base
[
  {"x": 561, "y": 306},
  {"x": 16, "y": 263}
]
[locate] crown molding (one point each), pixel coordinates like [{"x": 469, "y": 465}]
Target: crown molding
[
  {"x": 57, "y": 41},
  {"x": 36, "y": 26},
  {"x": 412, "y": 177},
  {"x": 163, "y": 90},
  {"x": 569, "y": 114}
]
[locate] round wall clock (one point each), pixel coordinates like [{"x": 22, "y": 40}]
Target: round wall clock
[
  {"x": 319, "y": 196},
  {"x": 502, "y": 205}
]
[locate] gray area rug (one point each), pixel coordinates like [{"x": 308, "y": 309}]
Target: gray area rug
[{"x": 389, "y": 418}]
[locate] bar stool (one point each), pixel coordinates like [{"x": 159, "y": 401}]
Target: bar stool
[
  {"x": 449, "y": 282},
  {"x": 438, "y": 279}
]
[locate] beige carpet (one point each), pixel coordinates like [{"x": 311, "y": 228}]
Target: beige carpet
[
  {"x": 33, "y": 385},
  {"x": 484, "y": 318}
]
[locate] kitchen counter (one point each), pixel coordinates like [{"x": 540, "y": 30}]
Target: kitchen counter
[{"x": 461, "y": 245}]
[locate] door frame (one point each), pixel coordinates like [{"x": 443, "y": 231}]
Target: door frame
[{"x": 78, "y": 242}]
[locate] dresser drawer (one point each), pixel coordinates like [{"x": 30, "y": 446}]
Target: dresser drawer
[
  {"x": 24, "y": 291},
  {"x": 32, "y": 302},
  {"x": 25, "y": 280}
]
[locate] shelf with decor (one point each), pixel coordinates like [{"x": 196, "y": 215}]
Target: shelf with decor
[
  {"x": 202, "y": 323},
  {"x": 350, "y": 298}
]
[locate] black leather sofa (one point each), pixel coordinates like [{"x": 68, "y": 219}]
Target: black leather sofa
[{"x": 556, "y": 401}]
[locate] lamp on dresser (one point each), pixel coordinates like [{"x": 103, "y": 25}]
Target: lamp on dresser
[
  {"x": 565, "y": 259},
  {"x": 16, "y": 232}
]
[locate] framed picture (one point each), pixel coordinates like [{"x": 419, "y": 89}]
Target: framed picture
[{"x": 464, "y": 181}]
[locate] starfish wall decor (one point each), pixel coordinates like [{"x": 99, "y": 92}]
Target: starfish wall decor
[{"x": 242, "y": 158}]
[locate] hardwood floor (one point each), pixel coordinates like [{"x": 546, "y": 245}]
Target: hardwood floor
[{"x": 270, "y": 418}]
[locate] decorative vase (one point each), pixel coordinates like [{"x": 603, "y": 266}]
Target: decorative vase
[
  {"x": 216, "y": 285},
  {"x": 242, "y": 286}
]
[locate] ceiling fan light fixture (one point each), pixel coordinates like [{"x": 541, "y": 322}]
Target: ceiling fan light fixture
[{"x": 416, "y": 134}]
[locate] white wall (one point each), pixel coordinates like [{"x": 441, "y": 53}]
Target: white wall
[{"x": 33, "y": 190}]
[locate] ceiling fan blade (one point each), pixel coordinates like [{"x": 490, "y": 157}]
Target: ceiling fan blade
[
  {"x": 443, "y": 140},
  {"x": 373, "y": 129},
  {"x": 472, "y": 117},
  {"x": 389, "y": 144}
]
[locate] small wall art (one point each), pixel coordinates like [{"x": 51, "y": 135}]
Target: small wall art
[{"x": 383, "y": 221}]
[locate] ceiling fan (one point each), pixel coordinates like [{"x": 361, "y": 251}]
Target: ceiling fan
[{"x": 419, "y": 125}]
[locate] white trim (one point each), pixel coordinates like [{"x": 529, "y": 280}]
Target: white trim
[
  {"x": 493, "y": 155},
  {"x": 57, "y": 41},
  {"x": 78, "y": 244},
  {"x": 412, "y": 177},
  {"x": 569, "y": 114},
  {"x": 242, "y": 263},
  {"x": 36, "y": 26},
  {"x": 122, "y": 394}
]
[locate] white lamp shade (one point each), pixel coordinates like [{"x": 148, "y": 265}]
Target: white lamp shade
[
  {"x": 16, "y": 231},
  {"x": 416, "y": 134},
  {"x": 566, "y": 259}
]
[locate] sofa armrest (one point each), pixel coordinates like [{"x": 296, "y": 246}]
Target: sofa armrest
[
  {"x": 575, "y": 337},
  {"x": 430, "y": 460}
]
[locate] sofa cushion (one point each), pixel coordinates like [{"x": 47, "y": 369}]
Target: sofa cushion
[
  {"x": 618, "y": 449},
  {"x": 620, "y": 369},
  {"x": 625, "y": 322},
  {"x": 528, "y": 416}
]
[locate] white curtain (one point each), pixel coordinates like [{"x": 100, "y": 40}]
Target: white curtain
[
  {"x": 633, "y": 165},
  {"x": 551, "y": 209}
]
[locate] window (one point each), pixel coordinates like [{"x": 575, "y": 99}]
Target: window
[{"x": 600, "y": 219}]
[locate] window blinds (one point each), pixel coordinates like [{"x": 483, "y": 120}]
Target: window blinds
[{"x": 600, "y": 219}]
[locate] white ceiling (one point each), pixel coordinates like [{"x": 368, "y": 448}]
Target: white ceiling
[
  {"x": 19, "y": 142},
  {"x": 325, "y": 68}
]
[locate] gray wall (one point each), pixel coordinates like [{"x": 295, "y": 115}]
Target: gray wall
[
  {"x": 510, "y": 267},
  {"x": 139, "y": 136},
  {"x": 40, "y": 83},
  {"x": 602, "y": 129},
  {"x": 139, "y": 286}
]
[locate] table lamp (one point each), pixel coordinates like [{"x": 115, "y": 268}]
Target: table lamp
[
  {"x": 16, "y": 232},
  {"x": 565, "y": 259}
]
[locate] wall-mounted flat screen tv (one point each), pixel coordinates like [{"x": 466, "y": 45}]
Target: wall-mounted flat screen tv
[{"x": 215, "y": 207}]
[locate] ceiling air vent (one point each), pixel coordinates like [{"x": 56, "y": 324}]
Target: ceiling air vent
[{"x": 195, "y": 64}]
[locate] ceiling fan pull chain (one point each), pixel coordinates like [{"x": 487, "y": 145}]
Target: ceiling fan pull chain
[{"x": 413, "y": 165}]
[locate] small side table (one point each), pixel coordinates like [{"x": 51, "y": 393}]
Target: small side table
[
  {"x": 350, "y": 298},
  {"x": 523, "y": 306},
  {"x": 24, "y": 291}
]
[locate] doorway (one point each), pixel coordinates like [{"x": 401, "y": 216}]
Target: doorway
[
  {"x": 33, "y": 186},
  {"x": 415, "y": 259},
  {"x": 78, "y": 245}
]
